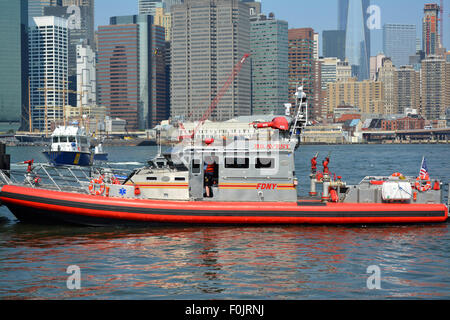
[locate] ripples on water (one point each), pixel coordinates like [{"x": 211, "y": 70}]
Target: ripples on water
[{"x": 295, "y": 262}]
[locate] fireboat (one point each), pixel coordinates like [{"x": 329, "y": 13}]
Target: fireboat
[{"x": 220, "y": 182}]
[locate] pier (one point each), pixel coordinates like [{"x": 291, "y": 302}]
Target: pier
[{"x": 441, "y": 135}]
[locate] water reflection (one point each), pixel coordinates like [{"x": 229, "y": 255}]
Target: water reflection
[{"x": 217, "y": 263}]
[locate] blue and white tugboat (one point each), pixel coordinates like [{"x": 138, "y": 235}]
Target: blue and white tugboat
[{"x": 71, "y": 145}]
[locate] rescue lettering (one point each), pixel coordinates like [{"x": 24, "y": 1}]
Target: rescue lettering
[
  {"x": 267, "y": 186},
  {"x": 276, "y": 146}
]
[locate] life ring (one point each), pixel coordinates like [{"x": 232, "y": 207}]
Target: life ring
[
  {"x": 94, "y": 182},
  {"x": 398, "y": 175},
  {"x": 423, "y": 188}
]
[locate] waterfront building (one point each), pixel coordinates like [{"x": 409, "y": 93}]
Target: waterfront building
[
  {"x": 86, "y": 76},
  {"x": 387, "y": 75},
  {"x": 131, "y": 73},
  {"x": 301, "y": 63},
  {"x": 209, "y": 37},
  {"x": 352, "y": 18},
  {"x": 48, "y": 52},
  {"x": 399, "y": 42},
  {"x": 408, "y": 89},
  {"x": 270, "y": 65},
  {"x": 333, "y": 44},
  {"x": 367, "y": 95},
  {"x": 36, "y": 7},
  {"x": 433, "y": 87},
  {"x": 430, "y": 29}
]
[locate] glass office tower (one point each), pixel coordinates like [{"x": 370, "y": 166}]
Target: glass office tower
[
  {"x": 352, "y": 18},
  {"x": 270, "y": 65},
  {"x": 13, "y": 64}
]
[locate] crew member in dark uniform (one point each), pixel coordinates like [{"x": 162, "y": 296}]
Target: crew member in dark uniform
[{"x": 209, "y": 177}]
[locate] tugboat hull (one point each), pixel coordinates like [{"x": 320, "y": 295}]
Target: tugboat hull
[{"x": 44, "y": 206}]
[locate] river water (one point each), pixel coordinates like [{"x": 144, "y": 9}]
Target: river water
[{"x": 282, "y": 263}]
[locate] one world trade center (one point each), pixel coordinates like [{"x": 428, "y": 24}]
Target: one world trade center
[{"x": 352, "y": 18}]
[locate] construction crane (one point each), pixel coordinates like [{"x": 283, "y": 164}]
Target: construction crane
[
  {"x": 441, "y": 20},
  {"x": 236, "y": 70},
  {"x": 64, "y": 91}
]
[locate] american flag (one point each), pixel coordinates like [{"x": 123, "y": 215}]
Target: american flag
[{"x": 423, "y": 170}]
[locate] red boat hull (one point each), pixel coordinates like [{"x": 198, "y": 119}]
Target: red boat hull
[{"x": 37, "y": 205}]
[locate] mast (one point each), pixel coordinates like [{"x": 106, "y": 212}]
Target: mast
[
  {"x": 45, "y": 107},
  {"x": 64, "y": 102},
  {"x": 30, "y": 122}
]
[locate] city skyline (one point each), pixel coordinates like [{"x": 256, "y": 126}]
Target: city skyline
[{"x": 398, "y": 11}]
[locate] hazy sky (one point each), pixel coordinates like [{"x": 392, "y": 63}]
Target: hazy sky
[{"x": 317, "y": 14}]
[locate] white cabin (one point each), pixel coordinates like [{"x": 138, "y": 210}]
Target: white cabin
[{"x": 70, "y": 138}]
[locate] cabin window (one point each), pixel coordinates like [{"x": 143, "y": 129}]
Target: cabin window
[
  {"x": 265, "y": 163},
  {"x": 180, "y": 179},
  {"x": 237, "y": 163},
  {"x": 196, "y": 167},
  {"x": 72, "y": 139},
  {"x": 152, "y": 178},
  {"x": 83, "y": 140},
  {"x": 55, "y": 140},
  {"x": 62, "y": 139}
]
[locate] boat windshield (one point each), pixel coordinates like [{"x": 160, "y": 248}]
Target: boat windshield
[{"x": 62, "y": 139}]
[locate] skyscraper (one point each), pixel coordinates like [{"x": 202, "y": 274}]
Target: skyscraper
[
  {"x": 270, "y": 64},
  {"x": 433, "y": 87},
  {"x": 13, "y": 65},
  {"x": 149, "y": 6},
  {"x": 87, "y": 18},
  {"x": 86, "y": 76},
  {"x": 164, "y": 19},
  {"x": 387, "y": 75},
  {"x": 399, "y": 42},
  {"x": 408, "y": 89},
  {"x": 352, "y": 18},
  {"x": 80, "y": 17},
  {"x": 430, "y": 31},
  {"x": 333, "y": 44},
  {"x": 209, "y": 37},
  {"x": 254, "y": 5},
  {"x": 301, "y": 62},
  {"x": 169, "y": 3},
  {"x": 36, "y": 7},
  {"x": 131, "y": 70},
  {"x": 48, "y": 42}
]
